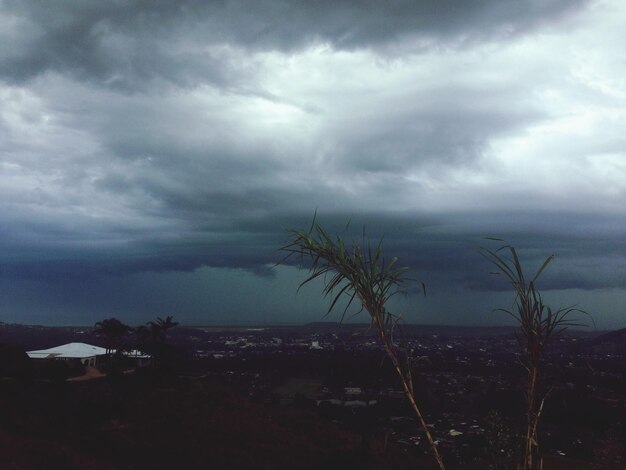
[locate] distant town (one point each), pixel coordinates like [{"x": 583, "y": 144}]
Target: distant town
[{"x": 469, "y": 380}]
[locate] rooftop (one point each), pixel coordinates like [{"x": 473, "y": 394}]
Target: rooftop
[{"x": 70, "y": 350}]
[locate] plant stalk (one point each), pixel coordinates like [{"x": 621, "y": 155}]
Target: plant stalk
[
  {"x": 408, "y": 390},
  {"x": 530, "y": 441}
]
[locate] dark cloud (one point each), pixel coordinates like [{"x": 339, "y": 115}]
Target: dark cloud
[
  {"x": 441, "y": 250},
  {"x": 444, "y": 251},
  {"x": 445, "y": 125},
  {"x": 128, "y": 45},
  {"x": 156, "y": 142}
]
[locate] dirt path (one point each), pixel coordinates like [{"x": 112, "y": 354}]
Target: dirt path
[{"x": 90, "y": 373}]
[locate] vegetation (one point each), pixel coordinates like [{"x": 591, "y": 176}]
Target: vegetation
[
  {"x": 160, "y": 327},
  {"x": 538, "y": 324},
  {"x": 154, "y": 331},
  {"x": 14, "y": 362},
  {"x": 113, "y": 332},
  {"x": 152, "y": 339},
  {"x": 359, "y": 271}
]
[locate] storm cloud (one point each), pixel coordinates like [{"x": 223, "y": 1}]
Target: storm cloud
[
  {"x": 187, "y": 42},
  {"x": 160, "y": 140}
]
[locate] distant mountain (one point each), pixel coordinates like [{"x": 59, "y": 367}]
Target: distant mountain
[
  {"x": 612, "y": 337},
  {"x": 617, "y": 335}
]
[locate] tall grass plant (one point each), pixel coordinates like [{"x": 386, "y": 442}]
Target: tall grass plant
[{"x": 358, "y": 272}]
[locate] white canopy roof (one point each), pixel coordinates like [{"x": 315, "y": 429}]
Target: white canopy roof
[{"x": 70, "y": 350}]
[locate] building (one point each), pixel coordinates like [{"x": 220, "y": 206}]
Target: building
[{"x": 86, "y": 354}]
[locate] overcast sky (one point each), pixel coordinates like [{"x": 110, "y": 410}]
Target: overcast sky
[{"x": 153, "y": 153}]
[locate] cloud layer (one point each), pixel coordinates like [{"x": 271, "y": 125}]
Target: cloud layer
[{"x": 166, "y": 136}]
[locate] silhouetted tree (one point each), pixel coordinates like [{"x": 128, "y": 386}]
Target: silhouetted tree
[
  {"x": 113, "y": 332},
  {"x": 142, "y": 335},
  {"x": 152, "y": 339},
  {"x": 14, "y": 362},
  {"x": 160, "y": 327}
]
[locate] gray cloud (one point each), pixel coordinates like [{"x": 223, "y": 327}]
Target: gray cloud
[
  {"x": 151, "y": 140},
  {"x": 128, "y": 45},
  {"x": 444, "y": 125}
]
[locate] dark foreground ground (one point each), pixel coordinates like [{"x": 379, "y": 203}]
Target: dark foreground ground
[
  {"x": 143, "y": 422},
  {"x": 311, "y": 397}
]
